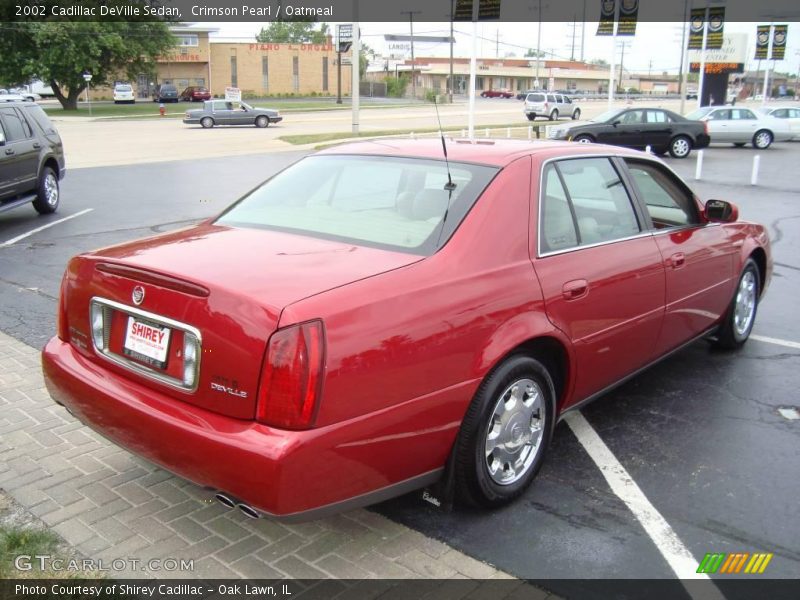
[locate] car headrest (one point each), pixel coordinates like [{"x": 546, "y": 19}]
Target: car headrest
[{"x": 429, "y": 203}]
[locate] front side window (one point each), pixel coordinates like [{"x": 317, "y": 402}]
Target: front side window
[
  {"x": 385, "y": 202},
  {"x": 668, "y": 202},
  {"x": 632, "y": 117},
  {"x": 743, "y": 114}
]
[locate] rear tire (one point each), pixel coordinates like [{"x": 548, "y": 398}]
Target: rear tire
[
  {"x": 48, "y": 193},
  {"x": 762, "y": 139},
  {"x": 207, "y": 122},
  {"x": 583, "y": 139},
  {"x": 262, "y": 121},
  {"x": 505, "y": 433},
  {"x": 531, "y": 117},
  {"x": 741, "y": 314},
  {"x": 680, "y": 147}
]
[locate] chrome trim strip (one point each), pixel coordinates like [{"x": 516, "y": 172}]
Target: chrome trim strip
[{"x": 143, "y": 369}]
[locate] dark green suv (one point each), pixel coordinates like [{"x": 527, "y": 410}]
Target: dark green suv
[{"x": 31, "y": 158}]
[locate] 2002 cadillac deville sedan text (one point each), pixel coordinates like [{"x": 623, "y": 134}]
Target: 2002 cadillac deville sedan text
[{"x": 368, "y": 321}]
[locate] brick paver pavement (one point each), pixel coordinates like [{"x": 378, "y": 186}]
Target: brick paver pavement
[{"x": 110, "y": 504}]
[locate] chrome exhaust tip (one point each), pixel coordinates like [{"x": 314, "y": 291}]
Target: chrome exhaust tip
[
  {"x": 248, "y": 511},
  {"x": 225, "y": 500}
]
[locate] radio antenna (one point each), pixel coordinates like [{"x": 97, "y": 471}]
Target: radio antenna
[{"x": 449, "y": 186}]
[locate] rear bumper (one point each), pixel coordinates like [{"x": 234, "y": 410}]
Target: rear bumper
[
  {"x": 293, "y": 475},
  {"x": 702, "y": 141}
]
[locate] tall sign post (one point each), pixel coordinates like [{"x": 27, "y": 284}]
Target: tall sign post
[
  {"x": 344, "y": 39},
  {"x": 87, "y": 77},
  {"x": 771, "y": 45},
  {"x": 475, "y": 10},
  {"x": 355, "y": 58},
  {"x": 615, "y": 22}
]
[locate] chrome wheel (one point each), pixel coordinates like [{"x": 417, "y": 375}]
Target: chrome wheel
[
  {"x": 51, "y": 189},
  {"x": 744, "y": 308},
  {"x": 762, "y": 140},
  {"x": 514, "y": 432},
  {"x": 583, "y": 139},
  {"x": 680, "y": 147}
]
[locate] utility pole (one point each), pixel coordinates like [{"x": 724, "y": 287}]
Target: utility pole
[
  {"x": 701, "y": 76},
  {"x": 583, "y": 30},
  {"x": 574, "y": 31},
  {"x": 622, "y": 62},
  {"x": 411, "y": 14},
  {"x": 497, "y": 43},
  {"x": 649, "y": 65},
  {"x": 538, "y": 47}
]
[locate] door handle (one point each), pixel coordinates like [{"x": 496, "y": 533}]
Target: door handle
[
  {"x": 37, "y": 145},
  {"x": 577, "y": 288},
  {"x": 677, "y": 260},
  {"x": 9, "y": 151}
]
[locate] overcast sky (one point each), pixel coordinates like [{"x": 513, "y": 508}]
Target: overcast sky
[{"x": 656, "y": 46}]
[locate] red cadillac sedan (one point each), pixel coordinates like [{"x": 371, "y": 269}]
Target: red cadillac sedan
[{"x": 374, "y": 319}]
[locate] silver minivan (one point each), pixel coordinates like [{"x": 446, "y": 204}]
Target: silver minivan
[{"x": 550, "y": 105}]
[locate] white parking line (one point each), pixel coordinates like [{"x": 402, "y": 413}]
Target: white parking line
[
  {"x": 43, "y": 227},
  {"x": 622, "y": 484},
  {"x": 776, "y": 341}
]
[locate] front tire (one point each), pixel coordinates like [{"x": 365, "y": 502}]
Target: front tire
[
  {"x": 47, "y": 193},
  {"x": 576, "y": 115},
  {"x": 762, "y": 139},
  {"x": 680, "y": 147},
  {"x": 505, "y": 433},
  {"x": 739, "y": 144},
  {"x": 531, "y": 117},
  {"x": 554, "y": 115},
  {"x": 741, "y": 314},
  {"x": 207, "y": 122},
  {"x": 262, "y": 121},
  {"x": 583, "y": 139}
]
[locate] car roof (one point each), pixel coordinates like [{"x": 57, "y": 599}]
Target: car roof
[
  {"x": 497, "y": 153},
  {"x": 14, "y": 99}
]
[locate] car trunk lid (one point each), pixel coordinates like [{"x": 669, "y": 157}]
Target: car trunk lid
[{"x": 214, "y": 291}]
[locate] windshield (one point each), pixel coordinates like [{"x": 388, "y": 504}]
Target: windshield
[
  {"x": 698, "y": 114},
  {"x": 385, "y": 202},
  {"x": 606, "y": 116}
]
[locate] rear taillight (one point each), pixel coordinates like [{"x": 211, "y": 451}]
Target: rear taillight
[
  {"x": 62, "y": 326},
  {"x": 705, "y": 127},
  {"x": 291, "y": 384}
]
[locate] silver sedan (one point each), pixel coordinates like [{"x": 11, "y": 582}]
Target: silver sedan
[{"x": 740, "y": 126}]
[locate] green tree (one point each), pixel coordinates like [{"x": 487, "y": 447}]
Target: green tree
[
  {"x": 59, "y": 52},
  {"x": 531, "y": 53},
  {"x": 294, "y": 32},
  {"x": 599, "y": 62},
  {"x": 363, "y": 59}
]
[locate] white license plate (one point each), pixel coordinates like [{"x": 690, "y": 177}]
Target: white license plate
[{"x": 147, "y": 342}]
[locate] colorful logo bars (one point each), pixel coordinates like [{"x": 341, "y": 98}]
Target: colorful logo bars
[{"x": 734, "y": 563}]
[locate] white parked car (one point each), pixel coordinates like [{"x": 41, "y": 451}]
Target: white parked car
[
  {"x": 790, "y": 114},
  {"x": 123, "y": 93},
  {"x": 740, "y": 126},
  {"x": 19, "y": 94},
  {"x": 550, "y": 105}
]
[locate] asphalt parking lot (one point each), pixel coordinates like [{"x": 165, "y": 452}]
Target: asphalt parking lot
[{"x": 701, "y": 433}]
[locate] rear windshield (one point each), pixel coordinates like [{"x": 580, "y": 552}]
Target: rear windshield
[
  {"x": 385, "y": 202},
  {"x": 168, "y": 88},
  {"x": 535, "y": 98},
  {"x": 123, "y": 88}
]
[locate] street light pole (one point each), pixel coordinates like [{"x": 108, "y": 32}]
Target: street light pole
[{"x": 411, "y": 14}]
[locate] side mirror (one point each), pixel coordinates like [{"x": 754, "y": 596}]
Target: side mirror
[
  {"x": 617, "y": 122},
  {"x": 719, "y": 211}
]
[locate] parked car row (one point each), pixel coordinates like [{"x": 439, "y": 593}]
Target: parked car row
[
  {"x": 165, "y": 92},
  {"x": 666, "y": 131}
]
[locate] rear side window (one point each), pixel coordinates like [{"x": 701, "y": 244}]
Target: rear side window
[
  {"x": 551, "y": 98},
  {"x": 38, "y": 116},
  {"x": 657, "y": 116},
  {"x": 596, "y": 202},
  {"x": 668, "y": 202},
  {"x": 15, "y": 127}
]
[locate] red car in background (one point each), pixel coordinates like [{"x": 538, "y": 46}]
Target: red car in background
[
  {"x": 497, "y": 94},
  {"x": 373, "y": 320},
  {"x": 195, "y": 94}
]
